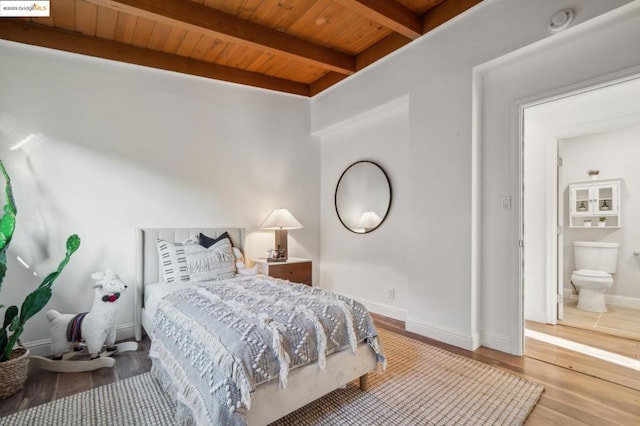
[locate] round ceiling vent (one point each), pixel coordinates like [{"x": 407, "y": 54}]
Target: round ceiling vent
[{"x": 561, "y": 20}]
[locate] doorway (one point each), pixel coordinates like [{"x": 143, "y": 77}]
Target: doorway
[{"x": 560, "y": 138}]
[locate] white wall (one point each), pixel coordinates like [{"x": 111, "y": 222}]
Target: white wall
[
  {"x": 436, "y": 72},
  {"x": 368, "y": 265},
  {"x": 615, "y": 153},
  {"x": 576, "y": 58},
  {"x": 121, "y": 147}
]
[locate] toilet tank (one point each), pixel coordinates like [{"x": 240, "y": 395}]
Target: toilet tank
[{"x": 596, "y": 256}]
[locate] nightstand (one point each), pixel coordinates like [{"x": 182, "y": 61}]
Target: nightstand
[{"x": 295, "y": 269}]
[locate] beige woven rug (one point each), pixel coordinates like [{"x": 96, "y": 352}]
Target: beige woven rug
[{"x": 423, "y": 385}]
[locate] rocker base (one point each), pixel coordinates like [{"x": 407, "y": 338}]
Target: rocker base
[{"x": 69, "y": 363}]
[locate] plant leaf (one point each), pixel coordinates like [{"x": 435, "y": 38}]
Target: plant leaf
[
  {"x": 15, "y": 323},
  {"x": 11, "y": 204},
  {"x": 34, "y": 302},
  {"x": 9, "y": 315},
  {"x": 7, "y": 223},
  {"x": 73, "y": 242},
  {"x": 3, "y": 343},
  {"x": 11, "y": 343}
]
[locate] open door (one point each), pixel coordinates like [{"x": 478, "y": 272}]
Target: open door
[{"x": 560, "y": 238}]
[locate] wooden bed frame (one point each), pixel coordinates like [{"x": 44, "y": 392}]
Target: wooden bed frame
[{"x": 269, "y": 402}]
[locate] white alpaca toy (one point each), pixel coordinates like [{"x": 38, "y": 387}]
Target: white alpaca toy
[{"x": 96, "y": 327}]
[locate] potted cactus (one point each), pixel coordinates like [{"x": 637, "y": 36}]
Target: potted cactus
[{"x": 14, "y": 358}]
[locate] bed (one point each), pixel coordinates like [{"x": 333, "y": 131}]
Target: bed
[{"x": 268, "y": 401}]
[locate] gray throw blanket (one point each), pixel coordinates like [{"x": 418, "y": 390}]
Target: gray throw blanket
[{"x": 215, "y": 342}]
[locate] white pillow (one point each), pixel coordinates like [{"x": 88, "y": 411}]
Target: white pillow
[
  {"x": 214, "y": 263},
  {"x": 238, "y": 255},
  {"x": 240, "y": 266},
  {"x": 173, "y": 261}
]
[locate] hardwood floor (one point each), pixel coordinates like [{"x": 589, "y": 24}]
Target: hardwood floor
[
  {"x": 46, "y": 386},
  {"x": 570, "y": 398}
]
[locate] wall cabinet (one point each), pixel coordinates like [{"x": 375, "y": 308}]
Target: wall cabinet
[{"x": 589, "y": 201}]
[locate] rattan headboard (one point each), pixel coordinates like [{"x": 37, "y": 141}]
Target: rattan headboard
[{"x": 148, "y": 264}]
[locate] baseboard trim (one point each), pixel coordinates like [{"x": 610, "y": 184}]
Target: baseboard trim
[
  {"x": 622, "y": 301},
  {"x": 499, "y": 342},
  {"x": 535, "y": 316},
  {"x": 381, "y": 308},
  {"x": 443, "y": 334},
  {"x": 568, "y": 295},
  {"x": 610, "y": 299},
  {"x": 42, "y": 347}
]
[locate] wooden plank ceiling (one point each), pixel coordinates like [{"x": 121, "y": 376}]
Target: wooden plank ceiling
[{"x": 294, "y": 46}]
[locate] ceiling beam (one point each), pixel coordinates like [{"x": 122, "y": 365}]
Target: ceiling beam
[
  {"x": 390, "y": 14},
  {"x": 40, "y": 35},
  {"x": 325, "y": 82},
  {"x": 213, "y": 23},
  {"x": 445, "y": 11},
  {"x": 381, "y": 49}
]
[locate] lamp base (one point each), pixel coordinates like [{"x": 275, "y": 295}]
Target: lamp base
[{"x": 281, "y": 246}]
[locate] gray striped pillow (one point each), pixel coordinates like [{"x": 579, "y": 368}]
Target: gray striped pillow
[
  {"x": 173, "y": 261},
  {"x": 214, "y": 263}
]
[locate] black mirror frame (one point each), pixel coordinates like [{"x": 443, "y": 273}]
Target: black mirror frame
[{"x": 335, "y": 196}]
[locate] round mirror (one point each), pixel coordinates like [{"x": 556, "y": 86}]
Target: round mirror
[{"x": 363, "y": 197}]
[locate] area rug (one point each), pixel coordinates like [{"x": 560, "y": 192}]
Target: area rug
[{"x": 423, "y": 385}]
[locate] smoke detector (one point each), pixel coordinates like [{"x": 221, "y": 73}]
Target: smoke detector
[{"x": 560, "y": 20}]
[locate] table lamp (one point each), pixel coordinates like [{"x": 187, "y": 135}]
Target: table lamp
[{"x": 280, "y": 220}]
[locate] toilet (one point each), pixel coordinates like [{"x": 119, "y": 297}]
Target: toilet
[{"x": 595, "y": 263}]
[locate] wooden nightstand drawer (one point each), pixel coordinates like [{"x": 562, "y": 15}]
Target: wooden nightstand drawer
[
  {"x": 294, "y": 269},
  {"x": 296, "y": 272}
]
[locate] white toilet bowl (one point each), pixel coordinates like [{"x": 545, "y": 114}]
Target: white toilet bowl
[
  {"x": 592, "y": 286},
  {"x": 595, "y": 264}
]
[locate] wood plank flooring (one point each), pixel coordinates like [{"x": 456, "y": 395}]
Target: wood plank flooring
[
  {"x": 46, "y": 386},
  {"x": 570, "y": 398}
]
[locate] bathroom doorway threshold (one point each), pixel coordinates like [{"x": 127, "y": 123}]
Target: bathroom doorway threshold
[
  {"x": 618, "y": 321},
  {"x": 610, "y": 358}
]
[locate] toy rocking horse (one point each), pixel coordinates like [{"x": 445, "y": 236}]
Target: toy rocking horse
[{"x": 93, "y": 330}]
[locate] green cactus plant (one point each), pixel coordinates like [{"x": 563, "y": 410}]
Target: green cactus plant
[{"x": 14, "y": 319}]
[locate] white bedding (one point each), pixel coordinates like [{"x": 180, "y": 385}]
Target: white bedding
[
  {"x": 153, "y": 293},
  {"x": 215, "y": 343}
]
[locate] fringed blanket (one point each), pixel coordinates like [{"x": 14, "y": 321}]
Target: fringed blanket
[{"x": 215, "y": 342}]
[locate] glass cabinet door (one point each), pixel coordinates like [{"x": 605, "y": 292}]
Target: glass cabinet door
[
  {"x": 581, "y": 201},
  {"x": 606, "y": 200}
]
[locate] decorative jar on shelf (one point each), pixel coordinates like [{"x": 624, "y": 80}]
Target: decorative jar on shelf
[{"x": 587, "y": 223}]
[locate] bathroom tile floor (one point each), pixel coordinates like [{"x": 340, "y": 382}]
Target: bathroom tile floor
[{"x": 618, "y": 321}]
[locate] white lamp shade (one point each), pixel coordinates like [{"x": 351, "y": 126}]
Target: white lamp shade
[
  {"x": 370, "y": 219},
  {"x": 281, "y": 219}
]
